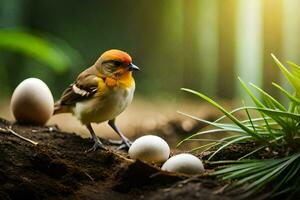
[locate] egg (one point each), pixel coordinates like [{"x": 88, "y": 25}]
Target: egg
[
  {"x": 150, "y": 148},
  {"x": 32, "y": 102},
  {"x": 184, "y": 163}
]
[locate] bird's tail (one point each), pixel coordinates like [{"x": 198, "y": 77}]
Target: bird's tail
[{"x": 58, "y": 108}]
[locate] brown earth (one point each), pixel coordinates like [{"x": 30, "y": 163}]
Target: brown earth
[{"x": 58, "y": 168}]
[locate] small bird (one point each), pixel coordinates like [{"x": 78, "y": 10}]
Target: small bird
[{"x": 101, "y": 93}]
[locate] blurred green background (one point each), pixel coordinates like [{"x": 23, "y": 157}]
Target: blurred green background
[{"x": 199, "y": 44}]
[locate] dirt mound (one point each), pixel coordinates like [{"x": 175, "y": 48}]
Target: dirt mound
[{"x": 58, "y": 168}]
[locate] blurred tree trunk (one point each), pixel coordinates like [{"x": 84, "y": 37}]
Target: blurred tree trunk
[
  {"x": 208, "y": 44},
  {"x": 192, "y": 73},
  {"x": 170, "y": 44},
  {"x": 226, "y": 74},
  {"x": 272, "y": 18},
  {"x": 147, "y": 45},
  {"x": 249, "y": 45}
]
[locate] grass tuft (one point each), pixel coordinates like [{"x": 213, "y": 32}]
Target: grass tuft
[{"x": 275, "y": 127}]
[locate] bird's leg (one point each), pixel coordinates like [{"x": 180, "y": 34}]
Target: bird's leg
[
  {"x": 125, "y": 142},
  {"x": 98, "y": 144}
]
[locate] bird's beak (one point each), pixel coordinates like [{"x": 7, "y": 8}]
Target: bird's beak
[{"x": 133, "y": 67}]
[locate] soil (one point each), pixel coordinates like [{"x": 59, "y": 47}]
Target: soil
[{"x": 58, "y": 168}]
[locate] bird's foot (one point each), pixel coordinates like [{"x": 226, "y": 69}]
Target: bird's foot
[
  {"x": 125, "y": 145},
  {"x": 97, "y": 145},
  {"x": 122, "y": 144}
]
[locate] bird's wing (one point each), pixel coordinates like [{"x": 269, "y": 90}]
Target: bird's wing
[{"x": 84, "y": 87}]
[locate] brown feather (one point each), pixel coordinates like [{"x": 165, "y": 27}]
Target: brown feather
[{"x": 84, "y": 87}]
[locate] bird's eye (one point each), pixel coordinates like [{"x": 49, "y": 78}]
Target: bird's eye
[{"x": 117, "y": 63}]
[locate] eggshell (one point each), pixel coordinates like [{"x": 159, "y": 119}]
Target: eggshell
[
  {"x": 184, "y": 163},
  {"x": 150, "y": 148},
  {"x": 32, "y": 102}
]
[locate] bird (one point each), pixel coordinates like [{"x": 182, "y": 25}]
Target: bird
[{"x": 101, "y": 93}]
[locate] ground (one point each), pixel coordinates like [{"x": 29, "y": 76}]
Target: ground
[{"x": 58, "y": 168}]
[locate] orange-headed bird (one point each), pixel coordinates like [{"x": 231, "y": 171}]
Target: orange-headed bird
[{"x": 101, "y": 93}]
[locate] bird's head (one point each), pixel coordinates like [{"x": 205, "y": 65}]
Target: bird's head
[{"x": 115, "y": 62}]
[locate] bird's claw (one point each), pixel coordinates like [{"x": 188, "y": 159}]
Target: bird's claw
[
  {"x": 125, "y": 145},
  {"x": 97, "y": 145},
  {"x": 128, "y": 143},
  {"x": 122, "y": 144}
]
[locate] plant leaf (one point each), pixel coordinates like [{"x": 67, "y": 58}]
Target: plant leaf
[
  {"x": 295, "y": 81},
  {"x": 230, "y": 116},
  {"x": 35, "y": 47},
  {"x": 295, "y": 68},
  {"x": 270, "y": 98}
]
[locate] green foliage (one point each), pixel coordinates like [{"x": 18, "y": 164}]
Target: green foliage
[
  {"x": 43, "y": 50},
  {"x": 277, "y": 128},
  {"x": 258, "y": 173}
]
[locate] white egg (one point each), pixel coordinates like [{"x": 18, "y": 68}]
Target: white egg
[
  {"x": 184, "y": 163},
  {"x": 150, "y": 148},
  {"x": 32, "y": 102}
]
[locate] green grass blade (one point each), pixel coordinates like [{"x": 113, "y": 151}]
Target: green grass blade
[
  {"x": 287, "y": 94},
  {"x": 239, "y": 139},
  {"x": 201, "y": 133},
  {"x": 228, "y": 127},
  {"x": 249, "y": 117},
  {"x": 295, "y": 82},
  {"x": 281, "y": 114},
  {"x": 270, "y": 176},
  {"x": 252, "y": 152},
  {"x": 269, "y": 97},
  {"x": 254, "y": 99},
  {"x": 290, "y": 174},
  {"x": 213, "y": 144},
  {"x": 209, "y": 145},
  {"x": 230, "y": 116},
  {"x": 231, "y": 112},
  {"x": 295, "y": 68}
]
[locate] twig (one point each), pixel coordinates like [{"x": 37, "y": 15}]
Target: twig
[
  {"x": 122, "y": 157},
  {"x": 47, "y": 129},
  {"x": 89, "y": 176},
  {"x": 9, "y": 130},
  {"x": 221, "y": 190}
]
